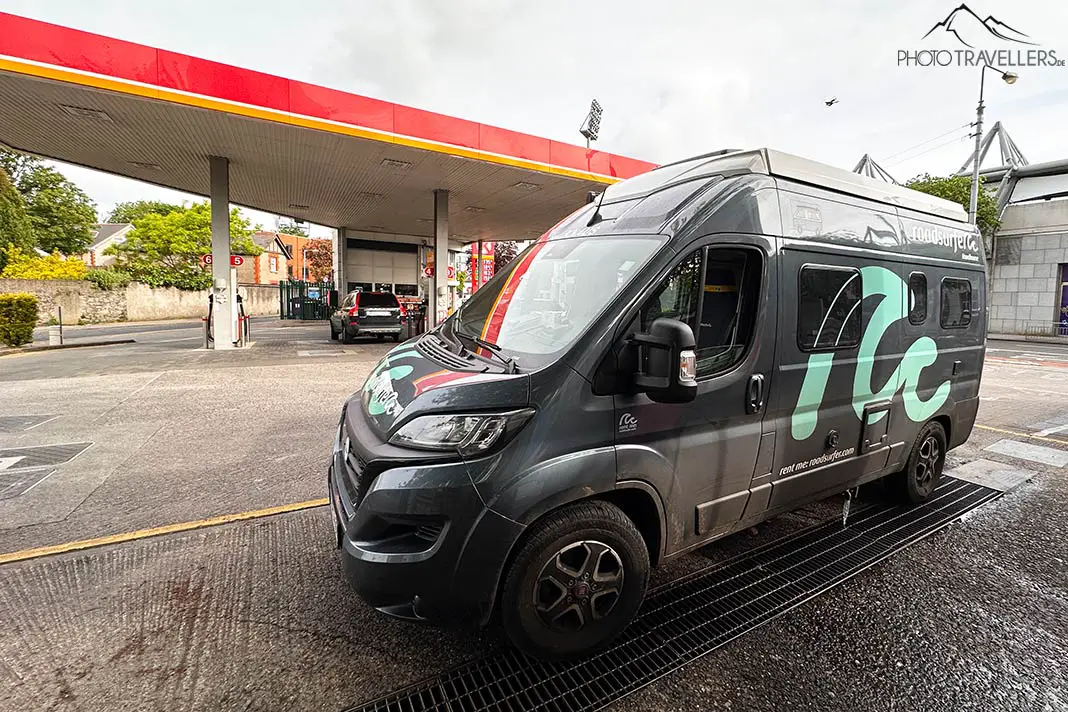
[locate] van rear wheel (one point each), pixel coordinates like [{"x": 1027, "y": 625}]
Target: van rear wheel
[
  {"x": 923, "y": 471},
  {"x": 576, "y": 582}
]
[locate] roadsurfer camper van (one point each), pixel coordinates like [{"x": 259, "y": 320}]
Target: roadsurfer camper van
[{"x": 696, "y": 350}]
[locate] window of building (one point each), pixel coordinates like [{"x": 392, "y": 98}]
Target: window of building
[
  {"x": 828, "y": 314},
  {"x": 360, "y": 287},
  {"x": 716, "y": 292},
  {"x": 407, "y": 290},
  {"x": 956, "y": 303},
  {"x": 273, "y": 263},
  {"x": 917, "y": 298}
]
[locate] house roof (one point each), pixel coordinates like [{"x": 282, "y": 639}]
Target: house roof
[
  {"x": 269, "y": 241},
  {"x": 106, "y": 231}
]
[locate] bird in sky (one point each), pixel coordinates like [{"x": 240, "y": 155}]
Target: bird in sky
[{"x": 832, "y": 101}]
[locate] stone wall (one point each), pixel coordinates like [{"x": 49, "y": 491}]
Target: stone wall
[
  {"x": 1025, "y": 289},
  {"x": 84, "y": 302},
  {"x": 81, "y": 301}
]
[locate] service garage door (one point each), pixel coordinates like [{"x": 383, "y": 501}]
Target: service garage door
[{"x": 382, "y": 267}]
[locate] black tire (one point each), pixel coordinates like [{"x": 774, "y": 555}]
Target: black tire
[
  {"x": 396, "y": 338},
  {"x": 346, "y": 338},
  {"x": 552, "y": 614},
  {"x": 923, "y": 470},
  {"x": 333, "y": 334}
]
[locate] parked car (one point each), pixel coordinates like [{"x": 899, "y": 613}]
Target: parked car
[
  {"x": 675, "y": 362},
  {"x": 367, "y": 314}
]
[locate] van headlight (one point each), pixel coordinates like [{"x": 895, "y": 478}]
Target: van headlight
[{"x": 469, "y": 434}]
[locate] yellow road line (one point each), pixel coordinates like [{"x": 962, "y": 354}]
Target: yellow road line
[
  {"x": 37, "y": 553},
  {"x": 1021, "y": 435}
]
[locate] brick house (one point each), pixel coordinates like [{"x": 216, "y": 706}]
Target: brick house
[
  {"x": 298, "y": 267},
  {"x": 269, "y": 267}
]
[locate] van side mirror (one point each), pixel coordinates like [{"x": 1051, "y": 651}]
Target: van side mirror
[{"x": 670, "y": 373}]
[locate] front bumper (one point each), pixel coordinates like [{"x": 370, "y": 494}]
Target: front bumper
[{"x": 416, "y": 540}]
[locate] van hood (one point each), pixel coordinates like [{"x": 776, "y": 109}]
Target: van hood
[{"x": 406, "y": 383}]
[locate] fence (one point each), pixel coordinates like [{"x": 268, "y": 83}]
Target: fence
[
  {"x": 310, "y": 301},
  {"x": 1029, "y": 328}
]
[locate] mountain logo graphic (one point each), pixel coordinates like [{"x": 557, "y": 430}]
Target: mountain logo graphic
[{"x": 964, "y": 24}]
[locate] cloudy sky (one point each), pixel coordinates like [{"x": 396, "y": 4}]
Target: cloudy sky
[{"x": 675, "y": 77}]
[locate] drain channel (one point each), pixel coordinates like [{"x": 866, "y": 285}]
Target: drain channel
[{"x": 693, "y": 615}]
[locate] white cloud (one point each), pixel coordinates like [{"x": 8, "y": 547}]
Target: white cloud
[{"x": 675, "y": 77}]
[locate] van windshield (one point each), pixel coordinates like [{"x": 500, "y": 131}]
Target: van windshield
[{"x": 543, "y": 301}]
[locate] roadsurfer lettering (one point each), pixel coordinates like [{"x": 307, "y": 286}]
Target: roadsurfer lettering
[
  {"x": 953, "y": 239},
  {"x": 824, "y": 459}
]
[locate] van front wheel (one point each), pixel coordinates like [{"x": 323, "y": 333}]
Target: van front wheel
[
  {"x": 923, "y": 471},
  {"x": 576, "y": 582}
]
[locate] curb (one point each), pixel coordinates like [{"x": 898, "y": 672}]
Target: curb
[
  {"x": 30, "y": 349},
  {"x": 1033, "y": 339}
]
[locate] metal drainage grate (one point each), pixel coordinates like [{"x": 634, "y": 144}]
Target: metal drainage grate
[
  {"x": 694, "y": 615},
  {"x": 19, "y": 423},
  {"x": 42, "y": 455}
]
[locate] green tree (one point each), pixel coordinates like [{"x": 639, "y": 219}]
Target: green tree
[
  {"x": 165, "y": 250},
  {"x": 130, "y": 211},
  {"x": 15, "y": 228},
  {"x": 60, "y": 214},
  {"x": 959, "y": 190}
]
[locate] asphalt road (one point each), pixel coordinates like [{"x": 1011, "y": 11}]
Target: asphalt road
[{"x": 254, "y": 615}]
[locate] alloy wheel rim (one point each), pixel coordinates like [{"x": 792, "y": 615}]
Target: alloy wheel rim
[
  {"x": 580, "y": 584},
  {"x": 927, "y": 464}
]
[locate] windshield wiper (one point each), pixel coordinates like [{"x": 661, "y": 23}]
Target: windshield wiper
[{"x": 493, "y": 349}]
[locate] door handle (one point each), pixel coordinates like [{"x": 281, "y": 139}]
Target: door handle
[{"x": 754, "y": 400}]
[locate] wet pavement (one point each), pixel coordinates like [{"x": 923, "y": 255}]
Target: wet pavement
[{"x": 255, "y": 616}]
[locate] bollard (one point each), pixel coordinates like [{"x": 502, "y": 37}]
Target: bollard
[{"x": 55, "y": 336}]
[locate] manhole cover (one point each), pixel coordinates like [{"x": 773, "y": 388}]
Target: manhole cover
[
  {"x": 40, "y": 455},
  {"x": 18, "y": 482},
  {"x": 18, "y": 423}
]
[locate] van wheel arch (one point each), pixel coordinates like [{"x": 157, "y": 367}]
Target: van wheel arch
[{"x": 638, "y": 500}]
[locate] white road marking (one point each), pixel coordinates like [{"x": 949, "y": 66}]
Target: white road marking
[
  {"x": 7, "y": 462},
  {"x": 1050, "y": 431},
  {"x": 1027, "y": 451}
]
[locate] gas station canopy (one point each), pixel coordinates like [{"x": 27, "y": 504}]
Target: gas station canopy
[{"x": 294, "y": 149}]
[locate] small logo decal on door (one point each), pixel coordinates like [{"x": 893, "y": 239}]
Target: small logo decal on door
[{"x": 627, "y": 423}]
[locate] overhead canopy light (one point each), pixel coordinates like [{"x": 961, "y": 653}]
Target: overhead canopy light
[
  {"x": 396, "y": 164},
  {"x": 523, "y": 185},
  {"x": 146, "y": 166},
  {"x": 474, "y": 209},
  {"x": 297, "y": 206}
]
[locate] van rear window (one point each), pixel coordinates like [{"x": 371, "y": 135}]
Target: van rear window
[{"x": 828, "y": 315}]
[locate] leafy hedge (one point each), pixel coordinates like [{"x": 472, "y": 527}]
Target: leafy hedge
[
  {"x": 21, "y": 265},
  {"x": 18, "y": 316},
  {"x": 108, "y": 279}
]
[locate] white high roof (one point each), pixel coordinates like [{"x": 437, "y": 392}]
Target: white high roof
[{"x": 803, "y": 170}]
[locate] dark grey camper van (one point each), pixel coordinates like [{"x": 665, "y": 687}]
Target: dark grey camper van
[{"x": 701, "y": 348}]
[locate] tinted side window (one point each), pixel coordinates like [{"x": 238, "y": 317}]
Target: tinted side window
[
  {"x": 956, "y": 303},
  {"x": 828, "y": 308},
  {"x": 720, "y": 304},
  {"x": 917, "y": 298},
  {"x": 677, "y": 298}
]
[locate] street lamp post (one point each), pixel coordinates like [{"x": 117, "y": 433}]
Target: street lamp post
[{"x": 1008, "y": 78}]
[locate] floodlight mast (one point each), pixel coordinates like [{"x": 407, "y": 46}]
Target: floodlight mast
[{"x": 591, "y": 125}]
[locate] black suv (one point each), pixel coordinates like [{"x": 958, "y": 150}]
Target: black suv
[{"x": 367, "y": 314}]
